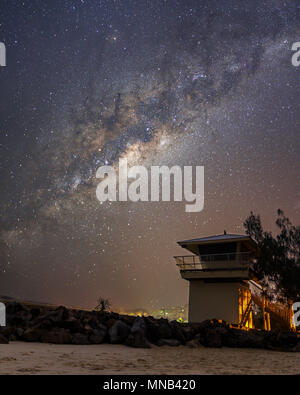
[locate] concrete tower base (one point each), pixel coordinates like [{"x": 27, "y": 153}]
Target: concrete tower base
[{"x": 208, "y": 300}]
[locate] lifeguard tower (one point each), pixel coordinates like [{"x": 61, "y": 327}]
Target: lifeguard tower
[
  {"x": 218, "y": 274},
  {"x": 222, "y": 284}
]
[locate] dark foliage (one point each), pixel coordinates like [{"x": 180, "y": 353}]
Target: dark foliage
[{"x": 278, "y": 263}]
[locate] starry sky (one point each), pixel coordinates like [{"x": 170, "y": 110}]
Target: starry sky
[{"x": 158, "y": 82}]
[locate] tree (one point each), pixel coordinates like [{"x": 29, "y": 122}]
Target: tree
[
  {"x": 278, "y": 264},
  {"x": 103, "y": 304}
]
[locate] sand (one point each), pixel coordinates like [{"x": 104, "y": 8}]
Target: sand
[{"x": 38, "y": 358}]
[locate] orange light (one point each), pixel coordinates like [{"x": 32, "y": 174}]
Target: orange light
[{"x": 245, "y": 308}]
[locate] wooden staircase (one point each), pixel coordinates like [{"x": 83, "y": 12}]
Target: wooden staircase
[
  {"x": 279, "y": 312},
  {"x": 246, "y": 313}
]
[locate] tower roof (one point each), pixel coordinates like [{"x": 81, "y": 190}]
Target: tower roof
[
  {"x": 193, "y": 244},
  {"x": 222, "y": 237}
]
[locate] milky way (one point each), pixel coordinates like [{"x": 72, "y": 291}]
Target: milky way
[{"x": 158, "y": 82}]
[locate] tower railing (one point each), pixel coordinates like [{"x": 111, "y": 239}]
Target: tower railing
[{"x": 213, "y": 262}]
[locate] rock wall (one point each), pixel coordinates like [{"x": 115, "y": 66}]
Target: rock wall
[{"x": 65, "y": 326}]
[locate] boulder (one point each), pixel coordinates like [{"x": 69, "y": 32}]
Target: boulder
[
  {"x": 297, "y": 347},
  {"x": 109, "y": 323},
  {"x": 87, "y": 329},
  {"x": 210, "y": 338},
  {"x": 137, "y": 337},
  {"x": 93, "y": 322},
  {"x": 72, "y": 323},
  {"x": 119, "y": 332},
  {"x": 3, "y": 339},
  {"x": 98, "y": 335},
  {"x": 152, "y": 330},
  {"x": 19, "y": 332},
  {"x": 51, "y": 317},
  {"x": 194, "y": 343},
  {"x": 245, "y": 339},
  {"x": 44, "y": 325},
  {"x": 62, "y": 313},
  {"x": 20, "y": 318},
  {"x": 13, "y": 308},
  {"x": 84, "y": 316},
  {"x": 178, "y": 332},
  {"x": 80, "y": 338},
  {"x": 287, "y": 339},
  {"x": 57, "y": 336},
  {"x": 189, "y": 332},
  {"x": 164, "y": 329},
  {"x": 7, "y": 331},
  {"x": 35, "y": 312},
  {"x": 168, "y": 342},
  {"x": 32, "y": 335},
  {"x": 138, "y": 341},
  {"x": 281, "y": 341},
  {"x": 139, "y": 325},
  {"x": 129, "y": 320}
]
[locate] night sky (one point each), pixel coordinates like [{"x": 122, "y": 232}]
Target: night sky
[{"x": 159, "y": 82}]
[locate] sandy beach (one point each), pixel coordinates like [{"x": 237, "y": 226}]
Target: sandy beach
[{"x": 38, "y": 358}]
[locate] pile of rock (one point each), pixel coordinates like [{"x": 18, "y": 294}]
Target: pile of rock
[{"x": 65, "y": 326}]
